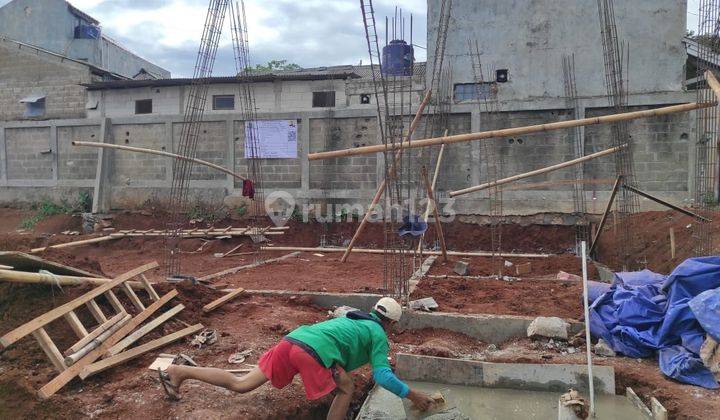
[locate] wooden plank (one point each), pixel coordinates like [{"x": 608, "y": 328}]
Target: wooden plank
[
  {"x": 50, "y": 349},
  {"x": 672, "y": 243},
  {"x": 148, "y": 288},
  {"x": 420, "y": 273},
  {"x": 95, "y": 311},
  {"x": 74, "y": 243},
  {"x": 511, "y": 132},
  {"x": 608, "y": 207},
  {"x": 380, "y": 251},
  {"x": 134, "y": 299},
  {"x": 245, "y": 267},
  {"x": 137, "y": 351},
  {"x": 536, "y": 172},
  {"x": 61, "y": 380},
  {"x": 95, "y": 333},
  {"x": 712, "y": 81},
  {"x": 58, "y": 312},
  {"x": 438, "y": 225},
  {"x": 142, "y": 331},
  {"x": 114, "y": 301},
  {"x": 217, "y": 302},
  {"x": 77, "y": 326}
]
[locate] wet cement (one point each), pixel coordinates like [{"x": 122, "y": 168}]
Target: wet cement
[{"x": 487, "y": 403}]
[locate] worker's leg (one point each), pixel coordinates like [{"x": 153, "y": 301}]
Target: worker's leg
[
  {"x": 343, "y": 396},
  {"x": 217, "y": 377}
]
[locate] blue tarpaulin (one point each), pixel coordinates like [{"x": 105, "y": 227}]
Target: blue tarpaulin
[{"x": 645, "y": 313}]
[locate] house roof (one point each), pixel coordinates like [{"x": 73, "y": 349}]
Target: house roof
[
  {"x": 255, "y": 78},
  {"x": 315, "y": 73},
  {"x": 37, "y": 50}
]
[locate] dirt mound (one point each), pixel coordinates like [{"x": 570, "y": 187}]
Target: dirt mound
[
  {"x": 59, "y": 223},
  {"x": 523, "y": 297}
]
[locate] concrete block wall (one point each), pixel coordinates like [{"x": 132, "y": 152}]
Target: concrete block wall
[
  {"x": 23, "y": 74},
  {"x": 351, "y": 173},
  {"x": 29, "y": 153},
  {"x": 211, "y": 147},
  {"x": 276, "y": 173},
  {"x": 664, "y": 156},
  {"x": 77, "y": 163},
  {"x": 136, "y": 169}
]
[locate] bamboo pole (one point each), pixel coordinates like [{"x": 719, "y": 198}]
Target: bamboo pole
[
  {"x": 434, "y": 182},
  {"x": 508, "y": 132},
  {"x": 383, "y": 184},
  {"x": 157, "y": 152},
  {"x": 666, "y": 204},
  {"x": 71, "y": 359},
  {"x": 12, "y": 276},
  {"x": 600, "y": 227},
  {"x": 382, "y": 251},
  {"x": 438, "y": 227},
  {"x": 536, "y": 172}
]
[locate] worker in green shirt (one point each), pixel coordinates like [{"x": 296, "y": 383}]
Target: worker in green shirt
[{"x": 322, "y": 354}]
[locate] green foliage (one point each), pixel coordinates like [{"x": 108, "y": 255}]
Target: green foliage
[
  {"x": 206, "y": 213},
  {"x": 47, "y": 208},
  {"x": 241, "y": 211},
  {"x": 297, "y": 214},
  {"x": 273, "y": 65}
]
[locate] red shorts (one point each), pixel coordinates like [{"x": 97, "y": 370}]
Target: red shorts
[{"x": 281, "y": 363}]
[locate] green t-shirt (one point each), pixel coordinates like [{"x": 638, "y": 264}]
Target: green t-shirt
[{"x": 350, "y": 343}]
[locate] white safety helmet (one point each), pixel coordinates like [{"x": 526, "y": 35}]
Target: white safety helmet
[{"x": 389, "y": 308}]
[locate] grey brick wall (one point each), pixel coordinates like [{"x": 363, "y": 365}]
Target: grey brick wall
[
  {"x": 28, "y": 153},
  {"x": 211, "y": 147},
  {"x": 23, "y": 74},
  {"x": 660, "y": 150},
  {"x": 130, "y": 168},
  {"x": 351, "y": 173},
  {"x": 77, "y": 162},
  {"x": 276, "y": 173}
]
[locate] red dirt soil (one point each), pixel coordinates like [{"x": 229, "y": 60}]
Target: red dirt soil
[{"x": 651, "y": 240}]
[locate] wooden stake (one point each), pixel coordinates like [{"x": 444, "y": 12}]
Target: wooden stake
[
  {"x": 77, "y": 326},
  {"x": 438, "y": 227},
  {"x": 712, "y": 81},
  {"x": 158, "y": 152},
  {"x": 96, "y": 312},
  {"x": 536, "y": 172},
  {"x": 148, "y": 288},
  {"x": 383, "y": 184},
  {"x": 114, "y": 301},
  {"x": 133, "y": 297},
  {"x": 600, "y": 227},
  {"x": 672, "y": 243},
  {"x": 510, "y": 132}
]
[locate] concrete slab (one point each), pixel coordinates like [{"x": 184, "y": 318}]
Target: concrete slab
[{"x": 523, "y": 376}]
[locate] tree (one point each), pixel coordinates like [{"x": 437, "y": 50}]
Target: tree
[{"x": 273, "y": 65}]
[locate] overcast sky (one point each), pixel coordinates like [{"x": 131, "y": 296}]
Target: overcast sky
[{"x": 307, "y": 32}]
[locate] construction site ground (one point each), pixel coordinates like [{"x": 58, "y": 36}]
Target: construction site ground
[{"x": 255, "y": 323}]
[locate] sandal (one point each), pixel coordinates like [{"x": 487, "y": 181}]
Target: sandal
[{"x": 172, "y": 391}]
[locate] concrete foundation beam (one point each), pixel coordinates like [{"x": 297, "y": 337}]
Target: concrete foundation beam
[
  {"x": 491, "y": 329},
  {"x": 523, "y": 376}
]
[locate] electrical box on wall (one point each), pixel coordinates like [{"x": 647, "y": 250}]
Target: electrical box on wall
[{"x": 501, "y": 75}]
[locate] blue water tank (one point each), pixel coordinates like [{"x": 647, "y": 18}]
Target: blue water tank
[{"x": 398, "y": 58}]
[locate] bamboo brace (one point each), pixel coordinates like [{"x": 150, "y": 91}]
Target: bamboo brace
[{"x": 513, "y": 131}]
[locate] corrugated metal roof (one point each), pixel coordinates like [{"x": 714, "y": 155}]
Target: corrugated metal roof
[{"x": 258, "y": 78}]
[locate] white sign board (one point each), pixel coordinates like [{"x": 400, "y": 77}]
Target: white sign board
[{"x": 275, "y": 139}]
